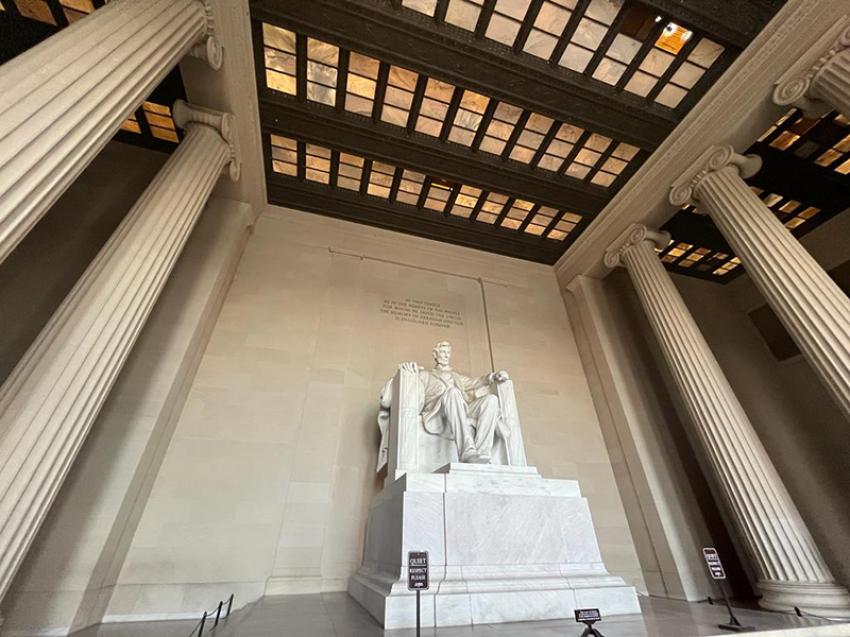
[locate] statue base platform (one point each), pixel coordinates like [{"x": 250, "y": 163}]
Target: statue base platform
[{"x": 504, "y": 545}]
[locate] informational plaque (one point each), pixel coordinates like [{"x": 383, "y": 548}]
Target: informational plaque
[
  {"x": 715, "y": 566},
  {"x": 417, "y": 571},
  {"x": 587, "y": 615}
]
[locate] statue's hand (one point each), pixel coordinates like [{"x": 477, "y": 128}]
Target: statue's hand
[
  {"x": 501, "y": 377},
  {"x": 410, "y": 366}
]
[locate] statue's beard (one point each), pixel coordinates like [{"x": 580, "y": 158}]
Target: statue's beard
[{"x": 443, "y": 366}]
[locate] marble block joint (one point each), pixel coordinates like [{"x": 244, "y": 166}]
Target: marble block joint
[{"x": 504, "y": 545}]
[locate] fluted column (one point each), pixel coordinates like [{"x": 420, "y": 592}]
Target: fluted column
[
  {"x": 64, "y": 99},
  {"x": 790, "y": 569},
  {"x": 811, "y": 306},
  {"x": 50, "y": 400},
  {"x": 820, "y": 81}
]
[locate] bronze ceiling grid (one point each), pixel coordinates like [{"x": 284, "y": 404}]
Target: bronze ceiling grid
[{"x": 473, "y": 108}]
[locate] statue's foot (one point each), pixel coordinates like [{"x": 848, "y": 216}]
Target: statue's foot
[
  {"x": 470, "y": 456},
  {"x": 482, "y": 459}
]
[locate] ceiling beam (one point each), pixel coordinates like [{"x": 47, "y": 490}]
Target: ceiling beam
[
  {"x": 320, "y": 124},
  {"x": 730, "y": 22},
  {"x": 373, "y": 211},
  {"x": 403, "y": 37}
]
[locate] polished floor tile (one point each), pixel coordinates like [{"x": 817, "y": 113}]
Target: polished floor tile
[{"x": 337, "y": 615}]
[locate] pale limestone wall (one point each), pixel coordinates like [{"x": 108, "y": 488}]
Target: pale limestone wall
[
  {"x": 66, "y": 580},
  {"x": 266, "y": 484}
]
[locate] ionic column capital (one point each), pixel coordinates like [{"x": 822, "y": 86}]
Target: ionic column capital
[
  {"x": 684, "y": 189},
  {"x": 209, "y": 49},
  {"x": 631, "y": 237},
  {"x": 186, "y": 114},
  {"x": 798, "y": 86}
]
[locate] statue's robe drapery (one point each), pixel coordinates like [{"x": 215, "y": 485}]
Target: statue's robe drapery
[{"x": 430, "y": 392}]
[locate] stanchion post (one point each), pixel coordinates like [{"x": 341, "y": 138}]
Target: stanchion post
[
  {"x": 229, "y": 604},
  {"x": 418, "y": 623},
  {"x": 201, "y": 625},
  {"x": 218, "y": 613}
]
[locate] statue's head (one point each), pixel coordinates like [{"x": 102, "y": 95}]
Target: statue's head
[{"x": 442, "y": 353}]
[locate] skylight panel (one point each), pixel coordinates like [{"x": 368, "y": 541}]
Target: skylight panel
[
  {"x": 318, "y": 163},
  {"x": 500, "y": 129},
  {"x": 464, "y": 13},
  {"x": 492, "y": 207},
  {"x": 322, "y": 61},
  {"x": 380, "y": 180},
  {"x": 437, "y": 197},
  {"x": 284, "y": 155},
  {"x": 422, "y": 6},
  {"x": 361, "y": 84},
  {"x": 516, "y": 214},
  {"x": 398, "y": 99},
  {"x": 466, "y": 201},
  {"x": 589, "y": 33},
  {"x": 506, "y": 20},
  {"x": 350, "y": 171},
  {"x": 410, "y": 187},
  {"x": 468, "y": 118},
  {"x": 279, "y": 55},
  {"x": 435, "y": 106}
]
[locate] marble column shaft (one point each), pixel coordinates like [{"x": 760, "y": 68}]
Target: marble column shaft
[
  {"x": 822, "y": 85},
  {"x": 811, "y": 306},
  {"x": 53, "y": 395},
  {"x": 64, "y": 99},
  {"x": 788, "y": 565}
]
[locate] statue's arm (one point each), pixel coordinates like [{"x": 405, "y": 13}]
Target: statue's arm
[{"x": 488, "y": 379}]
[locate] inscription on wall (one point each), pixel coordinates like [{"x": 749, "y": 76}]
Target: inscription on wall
[{"x": 422, "y": 312}]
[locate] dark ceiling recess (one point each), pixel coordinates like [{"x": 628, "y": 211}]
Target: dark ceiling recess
[
  {"x": 25, "y": 23},
  {"x": 504, "y": 125}
]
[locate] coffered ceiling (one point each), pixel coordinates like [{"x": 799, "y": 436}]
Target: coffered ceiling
[{"x": 505, "y": 125}]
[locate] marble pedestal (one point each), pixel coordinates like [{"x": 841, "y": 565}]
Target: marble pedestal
[{"x": 504, "y": 545}]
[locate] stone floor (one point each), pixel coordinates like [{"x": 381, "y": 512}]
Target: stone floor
[{"x": 337, "y": 615}]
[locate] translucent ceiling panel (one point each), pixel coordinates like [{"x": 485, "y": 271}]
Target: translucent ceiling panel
[
  {"x": 322, "y": 62},
  {"x": 398, "y": 98},
  {"x": 361, "y": 84},
  {"x": 350, "y": 171},
  {"x": 468, "y": 118},
  {"x": 589, "y": 33},
  {"x": 500, "y": 129},
  {"x": 464, "y": 13},
  {"x": 434, "y": 107},
  {"x": 284, "y": 155},
  {"x": 279, "y": 55}
]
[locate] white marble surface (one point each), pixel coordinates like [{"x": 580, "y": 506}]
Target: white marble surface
[{"x": 504, "y": 544}]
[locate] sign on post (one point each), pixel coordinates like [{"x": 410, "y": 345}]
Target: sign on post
[
  {"x": 712, "y": 559},
  {"x": 417, "y": 571},
  {"x": 588, "y": 617}
]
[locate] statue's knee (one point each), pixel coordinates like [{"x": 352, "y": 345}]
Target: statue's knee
[{"x": 454, "y": 393}]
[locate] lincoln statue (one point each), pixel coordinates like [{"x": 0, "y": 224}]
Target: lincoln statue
[{"x": 478, "y": 415}]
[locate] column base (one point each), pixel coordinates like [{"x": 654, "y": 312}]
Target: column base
[{"x": 827, "y": 600}]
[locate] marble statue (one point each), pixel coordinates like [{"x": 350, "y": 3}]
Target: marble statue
[
  {"x": 505, "y": 543},
  {"x": 478, "y": 415}
]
